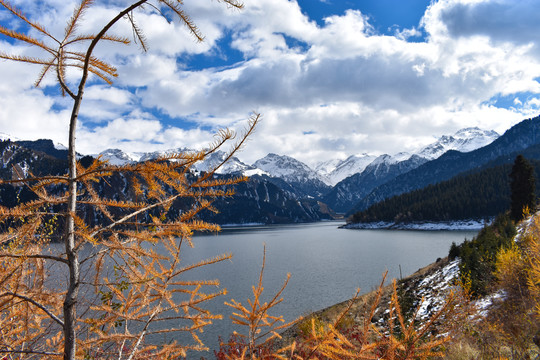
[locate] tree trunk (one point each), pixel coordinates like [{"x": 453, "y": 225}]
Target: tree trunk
[{"x": 70, "y": 301}]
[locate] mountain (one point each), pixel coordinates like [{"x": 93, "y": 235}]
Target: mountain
[
  {"x": 348, "y": 192},
  {"x": 478, "y": 194},
  {"x": 232, "y": 166},
  {"x": 117, "y": 157},
  {"x": 120, "y": 157},
  {"x": 333, "y": 171},
  {"x": 17, "y": 162},
  {"x": 260, "y": 201},
  {"x": 516, "y": 139},
  {"x": 256, "y": 201},
  {"x": 45, "y": 146},
  {"x": 464, "y": 140},
  {"x": 354, "y": 178},
  {"x": 292, "y": 175}
]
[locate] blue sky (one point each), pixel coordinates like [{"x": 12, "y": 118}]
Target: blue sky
[
  {"x": 331, "y": 78},
  {"x": 384, "y": 14}
]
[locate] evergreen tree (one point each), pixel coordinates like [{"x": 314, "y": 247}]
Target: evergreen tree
[{"x": 522, "y": 188}]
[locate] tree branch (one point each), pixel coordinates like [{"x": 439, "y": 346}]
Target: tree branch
[
  {"x": 143, "y": 333},
  {"x": 29, "y": 352},
  {"x": 39, "y": 256},
  {"x": 42, "y": 307}
]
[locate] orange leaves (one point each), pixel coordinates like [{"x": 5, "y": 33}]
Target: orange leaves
[
  {"x": 59, "y": 57},
  {"x": 24, "y": 322},
  {"x": 261, "y": 326},
  {"x": 136, "y": 288},
  {"x": 343, "y": 338}
]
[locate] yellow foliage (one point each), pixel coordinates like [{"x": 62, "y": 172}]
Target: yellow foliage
[
  {"x": 533, "y": 264},
  {"x": 510, "y": 266}
]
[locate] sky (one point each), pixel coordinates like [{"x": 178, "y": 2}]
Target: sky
[{"x": 331, "y": 78}]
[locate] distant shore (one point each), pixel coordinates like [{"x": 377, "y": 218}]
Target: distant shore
[{"x": 417, "y": 225}]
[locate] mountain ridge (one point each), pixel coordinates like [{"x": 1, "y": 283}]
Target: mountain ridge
[{"x": 517, "y": 138}]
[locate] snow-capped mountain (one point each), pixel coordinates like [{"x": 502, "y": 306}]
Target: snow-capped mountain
[
  {"x": 464, "y": 140},
  {"x": 156, "y": 154},
  {"x": 286, "y": 168},
  {"x": 385, "y": 167},
  {"x": 303, "y": 180},
  {"x": 234, "y": 165},
  {"x": 4, "y": 137},
  {"x": 333, "y": 171},
  {"x": 352, "y": 189},
  {"x": 506, "y": 147},
  {"x": 118, "y": 157}
]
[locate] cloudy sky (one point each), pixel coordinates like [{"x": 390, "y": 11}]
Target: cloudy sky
[{"x": 331, "y": 77}]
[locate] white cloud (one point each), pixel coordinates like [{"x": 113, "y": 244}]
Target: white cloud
[
  {"x": 136, "y": 132},
  {"x": 325, "y": 90}
]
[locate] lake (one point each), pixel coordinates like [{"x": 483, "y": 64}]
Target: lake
[{"x": 327, "y": 264}]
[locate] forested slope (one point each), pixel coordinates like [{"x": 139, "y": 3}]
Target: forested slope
[{"x": 477, "y": 195}]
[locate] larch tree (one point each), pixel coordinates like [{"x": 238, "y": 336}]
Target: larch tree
[{"x": 118, "y": 289}]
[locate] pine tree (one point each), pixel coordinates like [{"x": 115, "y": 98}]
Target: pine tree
[{"x": 522, "y": 185}]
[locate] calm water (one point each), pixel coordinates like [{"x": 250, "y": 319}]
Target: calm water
[{"x": 327, "y": 265}]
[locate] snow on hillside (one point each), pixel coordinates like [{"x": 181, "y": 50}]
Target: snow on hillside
[
  {"x": 4, "y": 137},
  {"x": 427, "y": 225},
  {"x": 252, "y": 172},
  {"x": 287, "y": 168},
  {"x": 119, "y": 157},
  {"x": 333, "y": 171},
  {"x": 234, "y": 165},
  {"x": 464, "y": 140}
]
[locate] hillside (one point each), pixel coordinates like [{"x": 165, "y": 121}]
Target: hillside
[
  {"x": 477, "y": 195},
  {"x": 437, "y": 302}
]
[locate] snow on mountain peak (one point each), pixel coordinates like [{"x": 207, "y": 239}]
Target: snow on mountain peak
[
  {"x": 118, "y": 157},
  {"x": 464, "y": 140},
  {"x": 333, "y": 171},
  {"x": 234, "y": 165},
  {"x": 4, "y": 137},
  {"x": 287, "y": 168},
  {"x": 59, "y": 146}
]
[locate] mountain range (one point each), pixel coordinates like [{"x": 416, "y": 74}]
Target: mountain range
[
  {"x": 320, "y": 178},
  {"x": 283, "y": 189}
]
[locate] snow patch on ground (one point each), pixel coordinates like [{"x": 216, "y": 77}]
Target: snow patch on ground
[
  {"x": 434, "y": 288},
  {"x": 483, "y": 305},
  {"x": 524, "y": 226},
  {"x": 442, "y": 225}
]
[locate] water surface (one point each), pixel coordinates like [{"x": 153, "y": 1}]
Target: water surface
[{"x": 327, "y": 264}]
